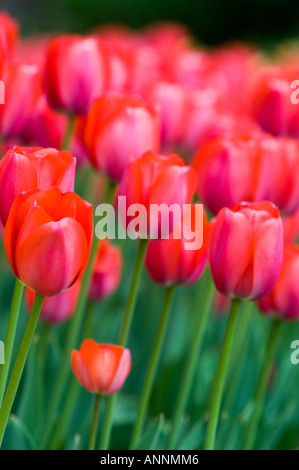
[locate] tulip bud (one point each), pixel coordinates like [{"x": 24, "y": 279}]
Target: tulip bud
[
  {"x": 120, "y": 129},
  {"x": 246, "y": 250},
  {"x": 101, "y": 368},
  {"x": 26, "y": 168},
  {"x": 106, "y": 271},
  {"x": 76, "y": 72},
  {"x": 59, "y": 307},
  {"x": 47, "y": 239},
  {"x": 283, "y": 301},
  {"x": 169, "y": 262},
  {"x": 158, "y": 186}
]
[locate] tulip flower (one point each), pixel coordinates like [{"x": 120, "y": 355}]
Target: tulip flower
[
  {"x": 230, "y": 170},
  {"x": 169, "y": 262},
  {"x": 59, "y": 307},
  {"x": 22, "y": 90},
  {"x": 283, "y": 164},
  {"x": 76, "y": 72},
  {"x": 101, "y": 368},
  {"x": 270, "y": 103},
  {"x": 283, "y": 301},
  {"x": 120, "y": 129},
  {"x": 171, "y": 100},
  {"x": 26, "y": 168},
  {"x": 246, "y": 250},
  {"x": 45, "y": 127},
  {"x": 47, "y": 239},
  {"x": 9, "y": 32},
  {"x": 146, "y": 183},
  {"x": 106, "y": 271}
]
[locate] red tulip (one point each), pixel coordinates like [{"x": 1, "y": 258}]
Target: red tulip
[
  {"x": 9, "y": 32},
  {"x": 45, "y": 127},
  {"x": 120, "y": 129},
  {"x": 246, "y": 250},
  {"x": 25, "y": 168},
  {"x": 270, "y": 102},
  {"x": 59, "y": 307},
  {"x": 231, "y": 170},
  {"x": 169, "y": 262},
  {"x": 283, "y": 183},
  {"x": 47, "y": 239},
  {"x": 101, "y": 368},
  {"x": 171, "y": 100},
  {"x": 283, "y": 301},
  {"x": 153, "y": 181},
  {"x": 22, "y": 90},
  {"x": 76, "y": 72},
  {"x": 106, "y": 271}
]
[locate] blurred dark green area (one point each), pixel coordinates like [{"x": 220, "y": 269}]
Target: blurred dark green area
[{"x": 265, "y": 22}]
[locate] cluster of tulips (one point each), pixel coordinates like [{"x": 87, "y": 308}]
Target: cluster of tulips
[{"x": 152, "y": 117}]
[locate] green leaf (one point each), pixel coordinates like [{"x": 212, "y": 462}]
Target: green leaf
[
  {"x": 150, "y": 438},
  {"x": 17, "y": 436},
  {"x": 76, "y": 443}
]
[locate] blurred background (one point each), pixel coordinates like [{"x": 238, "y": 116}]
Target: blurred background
[{"x": 265, "y": 22}]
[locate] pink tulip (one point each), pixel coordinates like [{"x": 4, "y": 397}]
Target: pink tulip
[
  {"x": 76, "y": 72},
  {"x": 101, "y": 368},
  {"x": 107, "y": 271},
  {"x": 283, "y": 301},
  {"x": 246, "y": 250}
]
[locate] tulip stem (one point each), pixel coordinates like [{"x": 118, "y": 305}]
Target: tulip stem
[
  {"x": 123, "y": 338},
  {"x": 10, "y": 335},
  {"x": 152, "y": 367},
  {"x": 262, "y": 385},
  {"x": 199, "y": 329},
  {"x": 20, "y": 363},
  {"x": 95, "y": 419},
  {"x": 66, "y": 141},
  {"x": 221, "y": 375}
]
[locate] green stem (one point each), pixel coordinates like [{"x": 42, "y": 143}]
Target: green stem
[
  {"x": 123, "y": 338},
  {"x": 19, "y": 364},
  {"x": 221, "y": 375},
  {"x": 65, "y": 145},
  {"x": 74, "y": 388},
  {"x": 71, "y": 340},
  {"x": 94, "y": 425},
  {"x": 238, "y": 355},
  {"x": 10, "y": 335},
  {"x": 262, "y": 385},
  {"x": 152, "y": 367},
  {"x": 201, "y": 321}
]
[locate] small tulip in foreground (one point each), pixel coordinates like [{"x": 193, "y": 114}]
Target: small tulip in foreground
[
  {"x": 246, "y": 250},
  {"x": 26, "y": 168},
  {"x": 47, "y": 239},
  {"x": 101, "y": 368}
]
